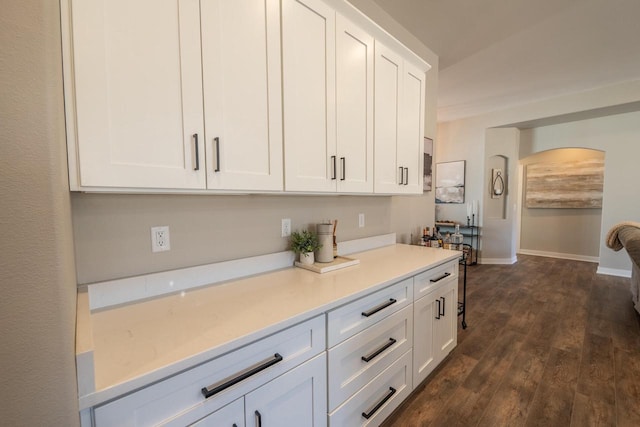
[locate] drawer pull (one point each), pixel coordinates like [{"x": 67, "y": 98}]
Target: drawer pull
[
  {"x": 444, "y": 276},
  {"x": 258, "y": 419},
  {"x": 207, "y": 392},
  {"x": 377, "y": 308},
  {"x": 216, "y": 140},
  {"x": 373, "y": 410},
  {"x": 378, "y": 351},
  {"x": 195, "y": 144}
]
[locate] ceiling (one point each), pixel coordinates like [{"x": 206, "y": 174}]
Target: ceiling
[{"x": 495, "y": 54}]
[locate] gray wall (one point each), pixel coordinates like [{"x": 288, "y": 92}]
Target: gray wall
[
  {"x": 37, "y": 308},
  {"x": 617, "y": 137},
  {"x": 574, "y": 233}
]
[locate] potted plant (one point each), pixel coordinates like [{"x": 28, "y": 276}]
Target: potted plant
[{"x": 305, "y": 243}]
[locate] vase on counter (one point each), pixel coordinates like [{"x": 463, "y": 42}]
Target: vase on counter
[{"x": 307, "y": 258}]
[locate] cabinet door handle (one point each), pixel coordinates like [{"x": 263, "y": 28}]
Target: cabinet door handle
[
  {"x": 195, "y": 143},
  {"x": 258, "y": 419},
  {"x": 443, "y": 305},
  {"x": 406, "y": 180},
  {"x": 234, "y": 425},
  {"x": 207, "y": 392},
  {"x": 216, "y": 140},
  {"x": 401, "y": 175},
  {"x": 444, "y": 276},
  {"x": 373, "y": 410},
  {"x": 344, "y": 168},
  {"x": 333, "y": 171},
  {"x": 438, "y": 302},
  {"x": 377, "y": 308},
  {"x": 370, "y": 357}
]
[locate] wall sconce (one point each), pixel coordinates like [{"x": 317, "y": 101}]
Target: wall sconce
[{"x": 498, "y": 183}]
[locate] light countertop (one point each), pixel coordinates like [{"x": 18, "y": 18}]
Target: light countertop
[{"x": 142, "y": 342}]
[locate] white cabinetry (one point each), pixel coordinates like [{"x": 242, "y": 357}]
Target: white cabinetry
[
  {"x": 141, "y": 72},
  {"x": 369, "y": 359},
  {"x": 242, "y": 94},
  {"x": 134, "y": 104},
  {"x": 308, "y": 67},
  {"x": 354, "y": 107},
  {"x": 294, "y": 399},
  {"x": 197, "y": 393},
  {"x": 435, "y": 318},
  {"x": 399, "y": 123}
]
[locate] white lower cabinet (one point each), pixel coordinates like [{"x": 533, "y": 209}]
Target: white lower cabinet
[
  {"x": 377, "y": 400},
  {"x": 294, "y": 399},
  {"x": 194, "y": 394},
  {"x": 435, "y": 327}
]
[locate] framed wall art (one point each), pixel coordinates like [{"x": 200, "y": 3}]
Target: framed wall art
[{"x": 450, "y": 182}]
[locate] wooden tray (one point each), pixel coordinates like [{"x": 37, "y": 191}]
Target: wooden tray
[{"x": 325, "y": 267}]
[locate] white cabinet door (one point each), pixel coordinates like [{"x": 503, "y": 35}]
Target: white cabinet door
[
  {"x": 137, "y": 93},
  {"x": 242, "y": 94},
  {"x": 297, "y": 398},
  {"x": 424, "y": 349},
  {"x": 231, "y": 415},
  {"x": 354, "y": 107},
  {"x": 308, "y": 67},
  {"x": 446, "y": 328},
  {"x": 411, "y": 142},
  {"x": 388, "y": 99}
]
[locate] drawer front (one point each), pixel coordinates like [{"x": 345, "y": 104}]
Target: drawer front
[
  {"x": 431, "y": 279},
  {"x": 379, "y": 345},
  {"x": 181, "y": 397},
  {"x": 346, "y": 321},
  {"x": 378, "y": 399}
]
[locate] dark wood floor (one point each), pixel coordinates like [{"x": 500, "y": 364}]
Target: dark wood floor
[{"x": 549, "y": 343}]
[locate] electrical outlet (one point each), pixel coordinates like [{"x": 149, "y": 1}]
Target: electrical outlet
[
  {"x": 361, "y": 220},
  {"x": 286, "y": 227},
  {"x": 160, "y": 239}
]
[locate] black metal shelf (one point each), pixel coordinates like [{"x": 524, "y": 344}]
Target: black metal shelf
[
  {"x": 473, "y": 235},
  {"x": 462, "y": 305}
]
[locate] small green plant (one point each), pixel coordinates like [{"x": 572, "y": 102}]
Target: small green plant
[{"x": 304, "y": 241}]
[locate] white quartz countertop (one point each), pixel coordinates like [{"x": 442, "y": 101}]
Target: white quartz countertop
[{"x": 142, "y": 342}]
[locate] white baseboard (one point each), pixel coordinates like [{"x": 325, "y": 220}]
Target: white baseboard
[
  {"x": 614, "y": 272},
  {"x": 498, "y": 261},
  {"x": 559, "y": 255}
]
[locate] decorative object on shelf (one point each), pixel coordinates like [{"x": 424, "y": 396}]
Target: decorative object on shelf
[
  {"x": 469, "y": 232},
  {"x": 576, "y": 184},
  {"x": 498, "y": 183},
  {"x": 472, "y": 212},
  {"x": 428, "y": 165},
  {"x": 304, "y": 243},
  {"x": 450, "y": 182}
]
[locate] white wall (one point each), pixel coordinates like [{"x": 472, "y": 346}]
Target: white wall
[
  {"x": 37, "y": 308},
  {"x": 465, "y": 140}
]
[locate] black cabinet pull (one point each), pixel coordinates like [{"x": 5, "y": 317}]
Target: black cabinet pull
[
  {"x": 373, "y": 410},
  {"x": 377, "y": 308},
  {"x": 344, "y": 168},
  {"x": 401, "y": 175},
  {"x": 443, "y": 305},
  {"x": 378, "y": 351},
  {"x": 217, "y": 142},
  {"x": 258, "y": 419},
  {"x": 444, "y": 276},
  {"x": 333, "y": 171},
  {"x": 438, "y": 302},
  {"x": 195, "y": 143},
  {"x": 207, "y": 392},
  {"x": 406, "y": 181},
  {"x": 234, "y": 425}
]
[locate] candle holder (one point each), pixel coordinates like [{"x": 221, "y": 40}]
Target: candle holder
[{"x": 468, "y": 221}]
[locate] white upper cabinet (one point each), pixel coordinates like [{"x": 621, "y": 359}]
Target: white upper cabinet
[
  {"x": 242, "y": 94},
  {"x": 354, "y": 107},
  {"x": 137, "y": 91},
  {"x": 399, "y": 123},
  {"x": 308, "y": 68}
]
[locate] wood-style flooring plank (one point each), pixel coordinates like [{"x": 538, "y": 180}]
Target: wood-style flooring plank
[
  {"x": 627, "y": 384},
  {"x": 592, "y": 413},
  {"x": 596, "y": 378}
]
